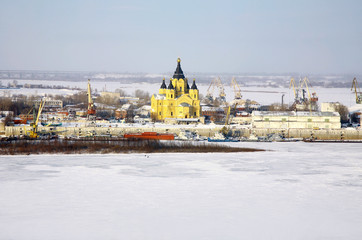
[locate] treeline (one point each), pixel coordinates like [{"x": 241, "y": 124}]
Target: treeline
[{"x": 26, "y": 147}]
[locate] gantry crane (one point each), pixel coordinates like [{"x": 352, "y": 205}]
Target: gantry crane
[
  {"x": 357, "y": 91},
  {"x": 34, "y": 131},
  {"x": 236, "y": 88},
  {"x": 91, "y": 110}
]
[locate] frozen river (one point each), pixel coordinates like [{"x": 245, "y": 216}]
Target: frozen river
[{"x": 295, "y": 191}]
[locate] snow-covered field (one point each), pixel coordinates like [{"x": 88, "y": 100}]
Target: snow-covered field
[{"x": 296, "y": 191}]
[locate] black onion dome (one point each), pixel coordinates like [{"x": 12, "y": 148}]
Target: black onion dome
[
  {"x": 170, "y": 86},
  {"x": 179, "y": 73},
  {"x": 194, "y": 85},
  {"x": 163, "y": 84}
]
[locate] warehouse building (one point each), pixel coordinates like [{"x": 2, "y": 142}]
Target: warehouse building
[{"x": 292, "y": 119}]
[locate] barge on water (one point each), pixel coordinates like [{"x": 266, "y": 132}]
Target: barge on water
[{"x": 150, "y": 135}]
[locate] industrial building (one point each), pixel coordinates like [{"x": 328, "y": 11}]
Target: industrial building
[
  {"x": 49, "y": 103},
  {"x": 285, "y": 120}
]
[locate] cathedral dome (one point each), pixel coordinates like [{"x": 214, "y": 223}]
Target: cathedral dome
[{"x": 179, "y": 73}]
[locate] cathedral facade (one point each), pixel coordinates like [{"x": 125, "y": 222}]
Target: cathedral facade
[{"x": 177, "y": 100}]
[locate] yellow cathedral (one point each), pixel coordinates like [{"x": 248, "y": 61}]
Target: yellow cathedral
[{"x": 177, "y": 100}]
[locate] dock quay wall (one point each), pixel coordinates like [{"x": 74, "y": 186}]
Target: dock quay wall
[
  {"x": 113, "y": 131},
  {"x": 322, "y": 134},
  {"x": 203, "y": 130}
]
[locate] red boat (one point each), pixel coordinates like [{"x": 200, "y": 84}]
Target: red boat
[{"x": 150, "y": 135}]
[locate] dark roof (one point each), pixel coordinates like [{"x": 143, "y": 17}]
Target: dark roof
[
  {"x": 163, "y": 84},
  {"x": 194, "y": 85},
  {"x": 170, "y": 86},
  {"x": 179, "y": 73}
]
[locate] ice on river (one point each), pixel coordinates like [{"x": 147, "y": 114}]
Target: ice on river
[{"x": 295, "y": 191}]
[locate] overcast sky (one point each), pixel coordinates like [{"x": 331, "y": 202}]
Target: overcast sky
[{"x": 236, "y": 36}]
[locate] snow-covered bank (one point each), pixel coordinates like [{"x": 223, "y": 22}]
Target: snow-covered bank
[{"x": 297, "y": 191}]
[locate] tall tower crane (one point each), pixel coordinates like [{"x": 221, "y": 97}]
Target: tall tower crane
[
  {"x": 236, "y": 88},
  {"x": 357, "y": 91},
  {"x": 91, "y": 110}
]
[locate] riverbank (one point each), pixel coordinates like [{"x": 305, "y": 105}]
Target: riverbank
[{"x": 26, "y": 147}]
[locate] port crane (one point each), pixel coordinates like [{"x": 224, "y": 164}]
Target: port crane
[
  {"x": 210, "y": 91},
  {"x": 91, "y": 110},
  {"x": 300, "y": 99},
  {"x": 216, "y": 83},
  {"x": 236, "y": 88},
  {"x": 34, "y": 131},
  {"x": 295, "y": 90},
  {"x": 222, "y": 94},
  {"x": 311, "y": 96},
  {"x": 357, "y": 91}
]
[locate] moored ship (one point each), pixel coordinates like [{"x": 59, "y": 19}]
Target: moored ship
[{"x": 150, "y": 135}]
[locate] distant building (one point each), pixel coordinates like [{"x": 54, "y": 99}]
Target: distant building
[
  {"x": 49, "y": 103},
  {"x": 177, "y": 100},
  {"x": 213, "y": 114},
  {"x": 132, "y": 100},
  {"x": 329, "y": 106},
  {"x": 111, "y": 95},
  {"x": 241, "y": 118},
  {"x": 312, "y": 120},
  {"x": 144, "y": 111}
]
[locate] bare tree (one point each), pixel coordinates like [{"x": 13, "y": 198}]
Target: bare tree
[
  {"x": 343, "y": 112},
  {"x": 121, "y": 91}
]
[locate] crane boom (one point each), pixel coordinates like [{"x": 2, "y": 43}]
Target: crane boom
[
  {"x": 357, "y": 91},
  {"x": 227, "y": 117},
  {"x": 91, "y": 110},
  {"x": 41, "y": 105},
  {"x": 221, "y": 88},
  {"x": 236, "y": 88},
  {"x": 210, "y": 90},
  {"x": 292, "y": 83},
  {"x": 305, "y": 83},
  {"x": 34, "y": 131}
]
